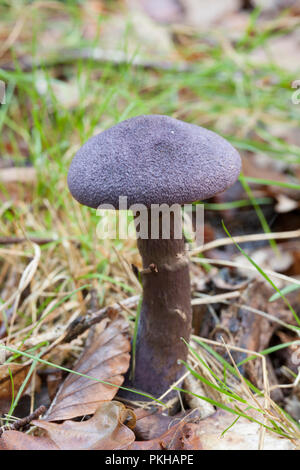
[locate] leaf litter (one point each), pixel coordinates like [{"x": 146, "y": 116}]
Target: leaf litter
[
  {"x": 75, "y": 396},
  {"x": 104, "y": 431},
  {"x": 107, "y": 359}
]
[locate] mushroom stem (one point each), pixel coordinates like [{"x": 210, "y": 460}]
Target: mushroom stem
[{"x": 165, "y": 316}]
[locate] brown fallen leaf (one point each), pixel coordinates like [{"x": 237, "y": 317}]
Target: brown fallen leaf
[
  {"x": 18, "y": 373},
  {"x": 104, "y": 431},
  {"x": 242, "y": 328},
  {"x": 182, "y": 436},
  {"x": 243, "y": 435},
  {"x": 107, "y": 359},
  {"x": 254, "y": 165},
  {"x": 54, "y": 379},
  {"x": 16, "y": 440},
  {"x": 289, "y": 356},
  {"x": 155, "y": 424},
  {"x": 207, "y": 434}
]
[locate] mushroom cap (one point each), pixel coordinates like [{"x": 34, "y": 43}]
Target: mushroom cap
[{"x": 152, "y": 159}]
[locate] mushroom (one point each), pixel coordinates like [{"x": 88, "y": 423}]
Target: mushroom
[{"x": 154, "y": 160}]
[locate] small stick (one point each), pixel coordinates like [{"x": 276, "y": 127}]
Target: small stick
[
  {"x": 81, "y": 324},
  {"x": 68, "y": 56},
  {"x": 15, "y": 240},
  {"x": 214, "y": 299},
  {"x": 245, "y": 238},
  {"x": 20, "y": 423}
]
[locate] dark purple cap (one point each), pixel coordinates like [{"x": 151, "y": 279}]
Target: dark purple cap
[{"x": 152, "y": 159}]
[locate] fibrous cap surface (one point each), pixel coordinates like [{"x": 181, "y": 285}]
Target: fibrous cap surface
[{"x": 152, "y": 159}]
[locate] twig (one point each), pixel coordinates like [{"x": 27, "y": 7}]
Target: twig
[
  {"x": 15, "y": 240},
  {"x": 67, "y": 56},
  {"x": 20, "y": 423},
  {"x": 214, "y": 299},
  {"x": 81, "y": 324}
]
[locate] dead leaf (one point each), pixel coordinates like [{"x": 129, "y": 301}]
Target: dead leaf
[
  {"x": 244, "y": 435},
  {"x": 290, "y": 356},
  {"x": 155, "y": 424},
  {"x": 16, "y": 440},
  {"x": 104, "y": 431},
  {"x": 18, "y": 372},
  {"x": 266, "y": 259},
  {"x": 107, "y": 359},
  {"x": 241, "y": 327},
  {"x": 226, "y": 280},
  {"x": 181, "y": 436},
  {"x": 54, "y": 380},
  {"x": 255, "y": 165}
]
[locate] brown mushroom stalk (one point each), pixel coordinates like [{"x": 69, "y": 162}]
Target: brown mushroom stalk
[{"x": 165, "y": 315}]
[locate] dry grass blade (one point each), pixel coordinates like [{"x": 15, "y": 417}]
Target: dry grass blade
[
  {"x": 25, "y": 280},
  {"x": 264, "y": 408},
  {"x": 27, "y": 276},
  {"x": 107, "y": 359},
  {"x": 246, "y": 238}
]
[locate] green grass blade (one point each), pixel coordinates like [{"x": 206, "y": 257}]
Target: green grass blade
[{"x": 47, "y": 363}]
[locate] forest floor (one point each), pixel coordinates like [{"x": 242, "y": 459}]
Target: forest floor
[{"x": 71, "y": 70}]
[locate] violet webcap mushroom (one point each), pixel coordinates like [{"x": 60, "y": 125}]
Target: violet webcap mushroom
[{"x": 156, "y": 160}]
